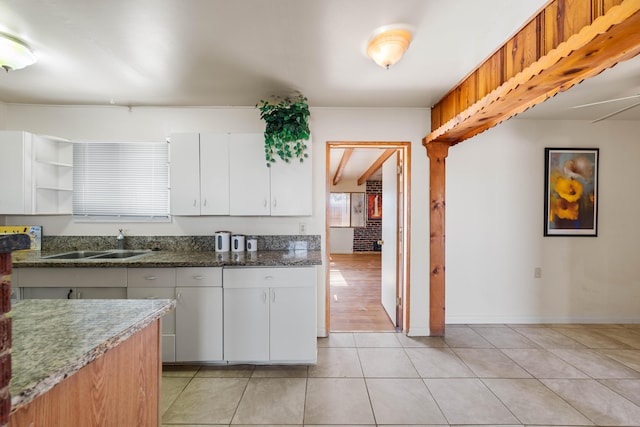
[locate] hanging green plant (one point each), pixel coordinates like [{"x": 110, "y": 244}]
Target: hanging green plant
[{"x": 287, "y": 127}]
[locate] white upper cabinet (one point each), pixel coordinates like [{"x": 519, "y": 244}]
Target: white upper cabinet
[
  {"x": 37, "y": 172},
  {"x": 284, "y": 189},
  {"x": 199, "y": 174}
]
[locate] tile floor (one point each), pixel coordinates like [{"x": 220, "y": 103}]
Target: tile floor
[{"x": 498, "y": 375}]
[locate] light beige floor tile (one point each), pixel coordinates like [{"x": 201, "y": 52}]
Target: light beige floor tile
[
  {"x": 438, "y": 363},
  {"x": 631, "y": 358},
  {"x": 206, "y": 401},
  {"x": 171, "y": 388},
  {"x": 627, "y": 388},
  {"x": 533, "y": 403},
  {"x": 434, "y": 342},
  {"x": 386, "y": 363},
  {"x": 337, "y": 401},
  {"x": 227, "y": 371},
  {"x": 280, "y": 371},
  {"x": 468, "y": 401},
  {"x": 548, "y": 338},
  {"x": 272, "y": 401},
  {"x": 627, "y": 336},
  {"x": 337, "y": 362},
  {"x": 503, "y": 337},
  {"x": 595, "y": 364},
  {"x": 188, "y": 371},
  {"x": 593, "y": 338},
  {"x": 198, "y": 425},
  {"x": 543, "y": 364},
  {"x": 597, "y": 402},
  {"x": 403, "y": 401},
  {"x": 337, "y": 339},
  {"x": 465, "y": 337},
  {"x": 490, "y": 363},
  {"x": 377, "y": 339}
]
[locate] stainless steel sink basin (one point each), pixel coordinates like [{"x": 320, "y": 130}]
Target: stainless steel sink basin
[
  {"x": 97, "y": 255},
  {"x": 75, "y": 255},
  {"x": 121, "y": 254}
]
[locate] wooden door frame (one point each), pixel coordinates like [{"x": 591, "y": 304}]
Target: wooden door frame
[{"x": 405, "y": 149}]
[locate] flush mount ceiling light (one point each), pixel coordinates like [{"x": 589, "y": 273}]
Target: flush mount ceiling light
[
  {"x": 14, "y": 53},
  {"x": 387, "y": 44}
]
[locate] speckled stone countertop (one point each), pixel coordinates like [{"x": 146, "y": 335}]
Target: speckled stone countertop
[
  {"x": 53, "y": 339},
  {"x": 180, "y": 259}
]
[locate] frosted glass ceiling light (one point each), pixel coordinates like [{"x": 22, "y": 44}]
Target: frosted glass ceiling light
[
  {"x": 14, "y": 53},
  {"x": 388, "y": 44}
]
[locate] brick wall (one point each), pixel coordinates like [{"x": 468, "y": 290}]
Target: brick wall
[{"x": 364, "y": 238}]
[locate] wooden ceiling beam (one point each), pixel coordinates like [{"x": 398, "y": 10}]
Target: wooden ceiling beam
[
  {"x": 346, "y": 155},
  {"x": 376, "y": 165},
  {"x": 565, "y": 43}
]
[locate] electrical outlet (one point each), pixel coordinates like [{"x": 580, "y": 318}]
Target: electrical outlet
[
  {"x": 302, "y": 228},
  {"x": 537, "y": 272}
]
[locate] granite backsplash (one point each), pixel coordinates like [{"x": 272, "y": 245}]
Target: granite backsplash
[{"x": 169, "y": 243}]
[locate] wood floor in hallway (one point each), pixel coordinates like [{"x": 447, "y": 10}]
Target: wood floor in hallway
[{"x": 355, "y": 294}]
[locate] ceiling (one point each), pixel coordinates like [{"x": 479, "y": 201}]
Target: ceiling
[{"x": 234, "y": 53}]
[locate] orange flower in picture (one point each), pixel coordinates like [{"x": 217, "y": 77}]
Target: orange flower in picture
[{"x": 571, "y": 185}]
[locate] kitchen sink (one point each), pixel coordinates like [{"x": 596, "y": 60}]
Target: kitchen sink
[
  {"x": 75, "y": 255},
  {"x": 121, "y": 254},
  {"x": 91, "y": 255}
]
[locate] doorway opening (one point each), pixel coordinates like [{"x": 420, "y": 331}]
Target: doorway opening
[{"x": 367, "y": 276}]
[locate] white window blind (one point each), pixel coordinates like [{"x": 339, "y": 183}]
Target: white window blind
[
  {"x": 339, "y": 209},
  {"x": 121, "y": 180}
]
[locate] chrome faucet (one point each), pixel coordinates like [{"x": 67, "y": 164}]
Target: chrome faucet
[{"x": 120, "y": 240}]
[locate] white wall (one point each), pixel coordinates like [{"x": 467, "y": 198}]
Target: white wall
[
  {"x": 494, "y": 226},
  {"x": 105, "y": 123}
]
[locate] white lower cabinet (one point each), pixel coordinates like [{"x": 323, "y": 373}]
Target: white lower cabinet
[
  {"x": 270, "y": 315},
  {"x": 199, "y": 314},
  {"x": 157, "y": 283}
]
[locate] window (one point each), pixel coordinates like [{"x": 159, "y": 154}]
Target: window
[
  {"x": 121, "y": 181},
  {"x": 346, "y": 210}
]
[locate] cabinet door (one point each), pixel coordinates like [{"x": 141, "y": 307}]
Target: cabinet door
[
  {"x": 167, "y": 322},
  {"x": 15, "y": 173},
  {"x": 291, "y": 187},
  {"x": 185, "y": 173},
  {"x": 214, "y": 174},
  {"x": 248, "y": 176},
  {"x": 246, "y": 325},
  {"x": 198, "y": 324},
  {"x": 293, "y": 324}
]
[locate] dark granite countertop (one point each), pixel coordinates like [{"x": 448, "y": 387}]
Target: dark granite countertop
[
  {"x": 14, "y": 242},
  {"x": 52, "y": 339},
  {"x": 179, "y": 259}
]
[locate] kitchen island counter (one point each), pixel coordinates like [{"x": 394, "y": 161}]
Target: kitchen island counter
[
  {"x": 156, "y": 259},
  {"x": 55, "y": 340}
]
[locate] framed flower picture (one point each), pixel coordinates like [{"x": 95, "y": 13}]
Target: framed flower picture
[{"x": 571, "y": 191}]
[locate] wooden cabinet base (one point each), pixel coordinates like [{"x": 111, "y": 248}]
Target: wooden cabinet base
[{"x": 121, "y": 388}]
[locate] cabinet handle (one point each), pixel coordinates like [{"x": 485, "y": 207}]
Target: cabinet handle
[
  {"x": 178, "y": 295},
  {"x": 264, "y": 297},
  {"x": 150, "y": 277},
  {"x": 268, "y": 277},
  {"x": 151, "y": 298},
  {"x": 78, "y": 295},
  {"x": 204, "y": 203},
  {"x": 273, "y": 296},
  {"x": 275, "y": 202},
  {"x": 264, "y": 203},
  {"x": 198, "y": 277}
]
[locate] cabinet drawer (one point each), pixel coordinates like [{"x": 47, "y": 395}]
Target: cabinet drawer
[
  {"x": 72, "y": 277},
  {"x": 199, "y": 276},
  {"x": 251, "y": 277},
  {"x": 151, "y": 277}
]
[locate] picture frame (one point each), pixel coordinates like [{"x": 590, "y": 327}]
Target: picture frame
[
  {"x": 358, "y": 210},
  {"x": 374, "y": 206},
  {"x": 571, "y": 191}
]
